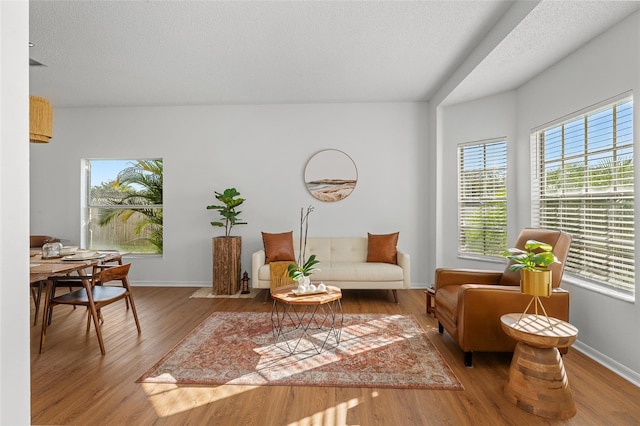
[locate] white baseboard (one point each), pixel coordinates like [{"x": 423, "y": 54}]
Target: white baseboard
[
  {"x": 171, "y": 283},
  {"x": 613, "y": 365}
]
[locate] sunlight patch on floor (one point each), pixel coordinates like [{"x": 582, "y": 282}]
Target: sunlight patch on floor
[
  {"x": 168, "y": 400},
  {"x": 336, "y": 415}
]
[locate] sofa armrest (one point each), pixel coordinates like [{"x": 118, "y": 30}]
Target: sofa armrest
[
  {"x": 404, "y": 261},
  {"x": 446, "y": 276},
  {"x": 257, "y": 260}
]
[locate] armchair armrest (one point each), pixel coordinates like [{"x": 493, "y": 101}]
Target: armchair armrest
[
  {"x": 481, "y": 306},
  {"x": 447, "y": 276}
]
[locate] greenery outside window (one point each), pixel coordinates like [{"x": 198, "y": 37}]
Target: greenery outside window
[
  {"x": 583, "y": 183},
  {"x": 482, "y": 198},
  {"x": 123, "y": 205}
]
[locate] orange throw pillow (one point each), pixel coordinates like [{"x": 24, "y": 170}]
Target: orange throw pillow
[
  {"x": 382, "y": 248},
  {"x": 278, "y": 247}
]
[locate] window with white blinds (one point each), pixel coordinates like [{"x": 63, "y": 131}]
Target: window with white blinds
[
  {"x": 482, "y": 198},
  {"x": 583, "y": 184}
]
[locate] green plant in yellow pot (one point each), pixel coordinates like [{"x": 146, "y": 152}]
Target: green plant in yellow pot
[
  {"x": 535, "y": 276},
  {"x": 532, "y": 262}
]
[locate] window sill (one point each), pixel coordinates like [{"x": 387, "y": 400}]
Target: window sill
[
  {"x": 600, "y": 289},
  {"x": 142, "y": 256},
  {"x": 489, "y": 259}
]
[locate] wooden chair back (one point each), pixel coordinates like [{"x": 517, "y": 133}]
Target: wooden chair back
[
  {"x": 113, "y": 273},
  {"x": 37, "y": 241}
]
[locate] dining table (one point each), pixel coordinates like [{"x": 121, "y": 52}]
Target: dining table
[{"x": 42, "y": 269}]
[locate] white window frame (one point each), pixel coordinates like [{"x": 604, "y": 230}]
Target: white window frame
[
  {"x": 601, "y": 257},
  {"x": 86, "y": 185},
  {"x": 492, "y": 160}
]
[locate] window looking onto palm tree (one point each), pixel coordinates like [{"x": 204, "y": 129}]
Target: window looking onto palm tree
[{"x": 123, "y": 205}]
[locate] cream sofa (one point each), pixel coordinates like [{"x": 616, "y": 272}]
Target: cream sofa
[{"x": 343, "y": 263}]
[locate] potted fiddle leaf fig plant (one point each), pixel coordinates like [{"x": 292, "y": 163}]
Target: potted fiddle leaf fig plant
[
  {"x": 227, "y": 249},
  {"x": 230, "y": 199},
  {"x": 532, "y": 263}
]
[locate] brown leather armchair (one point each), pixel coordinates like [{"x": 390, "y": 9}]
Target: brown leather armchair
[{"x": 469, "y": 303}]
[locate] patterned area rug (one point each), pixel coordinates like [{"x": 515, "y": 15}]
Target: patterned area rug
[{"x": 381, "y": 351}]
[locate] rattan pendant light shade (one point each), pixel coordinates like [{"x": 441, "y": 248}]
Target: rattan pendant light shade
[{"x": 40, "y": 120}]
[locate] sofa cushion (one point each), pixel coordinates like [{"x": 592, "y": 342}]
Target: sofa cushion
[
  {"x": 338, "y": 249},
  {"x": 347, "y": 271},
  {"x": 382, "y": 248},
  {"x": 278, "y": 247}
]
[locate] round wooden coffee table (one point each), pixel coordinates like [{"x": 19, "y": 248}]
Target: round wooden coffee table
[
  {"x": 307, "y": 322},
  {"x": 537, "y": 379}
]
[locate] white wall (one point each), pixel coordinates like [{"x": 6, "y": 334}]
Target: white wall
[
  {"x": 607, "y": 66},
  {"x": 261, "y": 150},
  {"x": 15, "y": 323},
  {"x": 489, "y": 118}
]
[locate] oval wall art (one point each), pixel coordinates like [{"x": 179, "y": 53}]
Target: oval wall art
[{"x": 330, "y": 175}]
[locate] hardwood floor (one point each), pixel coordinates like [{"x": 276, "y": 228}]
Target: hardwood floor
[{"x": 71, "y": 383}]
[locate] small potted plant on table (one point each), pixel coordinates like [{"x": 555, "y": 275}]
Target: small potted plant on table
[
  {"x": 532, "y": 263},
  {"x": 535, "y": 277}
]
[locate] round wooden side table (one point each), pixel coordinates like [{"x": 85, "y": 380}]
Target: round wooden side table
[{"x": 537, "y": 379}]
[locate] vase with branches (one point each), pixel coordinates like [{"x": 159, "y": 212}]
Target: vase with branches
[{"x": 305, "y": 267}]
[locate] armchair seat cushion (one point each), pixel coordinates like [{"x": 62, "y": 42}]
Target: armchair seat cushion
[{"x": 349, "y": 271}]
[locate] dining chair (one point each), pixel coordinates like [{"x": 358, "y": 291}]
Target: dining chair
[
  {"x": 36, "y": 242},
  {"x": 109, "y": 264},
  {"x": 94, "y": 296},
  {"x": 36, "y": 293},
  {"x": 73, "y": 281}
]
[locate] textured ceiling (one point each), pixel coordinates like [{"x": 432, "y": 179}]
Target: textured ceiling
[
  {"x": 112, "y": 53},
  {"x": 549, "y": 33}
]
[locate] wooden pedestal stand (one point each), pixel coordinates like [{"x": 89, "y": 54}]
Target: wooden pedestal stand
[
  {"x": 537, "y": 379},
  {"x": 226, "y": 265}
]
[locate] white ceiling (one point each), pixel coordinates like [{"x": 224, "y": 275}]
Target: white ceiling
[{"x": 114, "y": 53}]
